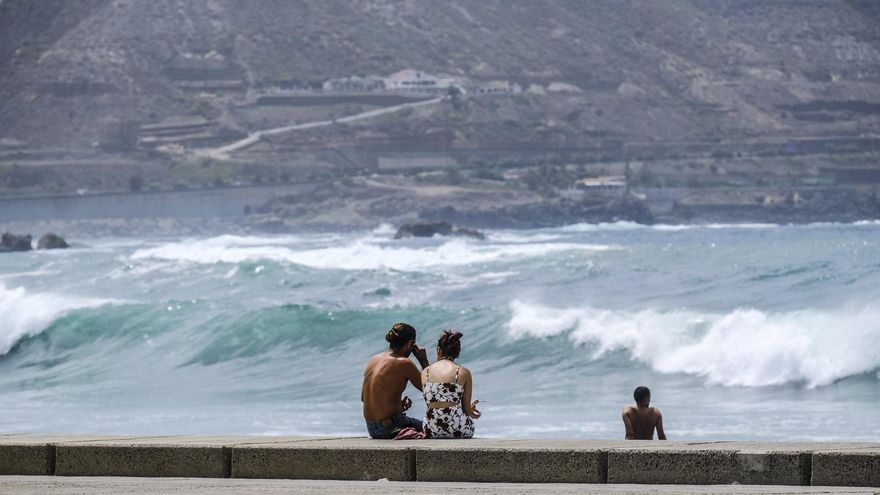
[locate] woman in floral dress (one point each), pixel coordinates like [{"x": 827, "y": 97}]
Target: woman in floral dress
[{"x": 447, "y": 387}]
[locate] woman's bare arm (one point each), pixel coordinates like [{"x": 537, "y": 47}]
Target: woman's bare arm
[{"x": 467, "y": 405}]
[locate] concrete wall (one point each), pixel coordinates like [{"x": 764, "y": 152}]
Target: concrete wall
[{"x": 478, "y": 460}]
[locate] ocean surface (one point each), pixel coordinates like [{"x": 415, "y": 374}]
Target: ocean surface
[{"x": 741, "y": 331}]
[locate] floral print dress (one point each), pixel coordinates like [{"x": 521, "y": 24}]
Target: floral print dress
[{"x": 446, "y": 422}]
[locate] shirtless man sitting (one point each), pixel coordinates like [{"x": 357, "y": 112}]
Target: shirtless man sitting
[
  {"x": 641, "y": 420},
  {"x": 385, "y": 380}
]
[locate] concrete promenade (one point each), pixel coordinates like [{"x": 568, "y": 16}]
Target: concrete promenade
[
  {"x": 466, "y": 461},
  {"x": 54, "y": 485}
]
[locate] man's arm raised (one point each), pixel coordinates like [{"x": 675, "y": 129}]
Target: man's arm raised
[
  {"x": 413, "y": 375},
  {"x": 422, "y": 356}
]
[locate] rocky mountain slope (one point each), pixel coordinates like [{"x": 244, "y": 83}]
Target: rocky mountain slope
[{"x": 684, "y": 70}]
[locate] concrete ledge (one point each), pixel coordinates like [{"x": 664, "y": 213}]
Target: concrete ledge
[
  {"x": 671, "y": 467},
  {"x": 141, "y": 460},
  {"x": 478, "y": 460},
  {"x": 773, "y": 468},
  {"x": 510, "y": 466},
  {"x": 322, "y": 463},
  {"x": 849, "y": 468},
  {"x": 27, "y": 459},
  {"x": 702, "y": 463}
]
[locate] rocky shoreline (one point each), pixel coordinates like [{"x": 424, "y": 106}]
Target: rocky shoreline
[
  {"x": 354, "y": 208},
  {"x": 10, "y": 243},
  {"x": 356, "y": 212}
]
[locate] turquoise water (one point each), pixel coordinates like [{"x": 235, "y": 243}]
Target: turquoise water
[{"x": 742, "y": 332}]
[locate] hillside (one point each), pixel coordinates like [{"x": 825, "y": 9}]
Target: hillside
[
  {"x": 678, "y": 69},
  {"x": 730, "y": 93}
]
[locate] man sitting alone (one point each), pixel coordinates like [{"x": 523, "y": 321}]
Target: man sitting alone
[
  {"x": 641, "y": 420},
  {"x": 385, "y": 380}
]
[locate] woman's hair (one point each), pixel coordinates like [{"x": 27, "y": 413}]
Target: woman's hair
[
  {"x": 400, "y": 334},
  {"x": 450, "y": 344}
]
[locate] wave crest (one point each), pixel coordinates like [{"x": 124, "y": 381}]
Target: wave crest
[
  {"x": 362, "y": 254},
  {"x": 23, "y": 314},
  {"x": 745, "y": 347}
]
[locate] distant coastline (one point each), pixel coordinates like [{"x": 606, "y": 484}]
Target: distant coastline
[{"x": 315, "y": 206}]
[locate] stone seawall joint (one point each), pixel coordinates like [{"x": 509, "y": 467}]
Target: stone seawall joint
[
  {"x": 227, "y": 461},
  {"x": 50, "y": 459}
]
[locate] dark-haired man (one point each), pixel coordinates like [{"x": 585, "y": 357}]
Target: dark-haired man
[
  {"x": 385, "y": 379},
  {"x": 641, "y": 420}
]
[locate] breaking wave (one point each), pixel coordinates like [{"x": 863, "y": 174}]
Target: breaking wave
[
  {"x": 23, "y": 314},
  {"x": 744, "y": 347},
  {"x": 362, "y": 254}
]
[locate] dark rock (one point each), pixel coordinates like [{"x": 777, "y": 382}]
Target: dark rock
[
  {"x": 550, "y": 213},
  {"x": 429, "y": 229},
  {"x": 52, "y": 241},
  {"x": 423, "y": 229},
  {"x": 380, "y": 292},
  {"x": 474, "y": 234},
  {"x": 11, "y": 242}
]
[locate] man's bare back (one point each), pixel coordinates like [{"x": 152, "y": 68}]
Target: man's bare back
[
  {"x": 641, "y": 420},
  {"x": 384, "y": 382},
  {"x": 640, "y": 423}
]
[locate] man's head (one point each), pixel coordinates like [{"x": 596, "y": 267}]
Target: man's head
[
  {"x": 401, "y": 338},
  {"x": 642, "y": 395}
]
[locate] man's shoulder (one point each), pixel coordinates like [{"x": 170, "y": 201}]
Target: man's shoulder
[
  {"x": 377, "y": 358},
  {"x": 399, "y": 361},
  {"x": 654, "y": 411},
  {"x": 386, "y": 359},
  {"x": 629, "y": 409}
]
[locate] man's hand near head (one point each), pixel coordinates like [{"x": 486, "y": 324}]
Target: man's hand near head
[{"x": 421, "y": 356}]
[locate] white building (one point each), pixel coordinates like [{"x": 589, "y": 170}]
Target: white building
[
  {"x": 605, "y": 183},
  {"x": 411, "y": 80},
  {"x": 497, "y": 87},
  {"x": 355, "y": 83}
]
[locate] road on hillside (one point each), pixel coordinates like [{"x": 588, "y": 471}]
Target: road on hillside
[{"x": 224, "y": 151}]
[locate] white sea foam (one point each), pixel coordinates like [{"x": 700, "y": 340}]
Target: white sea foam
[
  {"x": 358, "y": 255},
  {"x": 23, "y": 314},
  {"x": 524, "y": 237},
  {"x": 867, "y": 223},
  {"x": 42, "y": 272},
  {"x": 384, "y": 229},
  {"x": 590, "y": 227},
  {"x": 624, "y": 225},
  {"x": 744, "y": 347}
]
